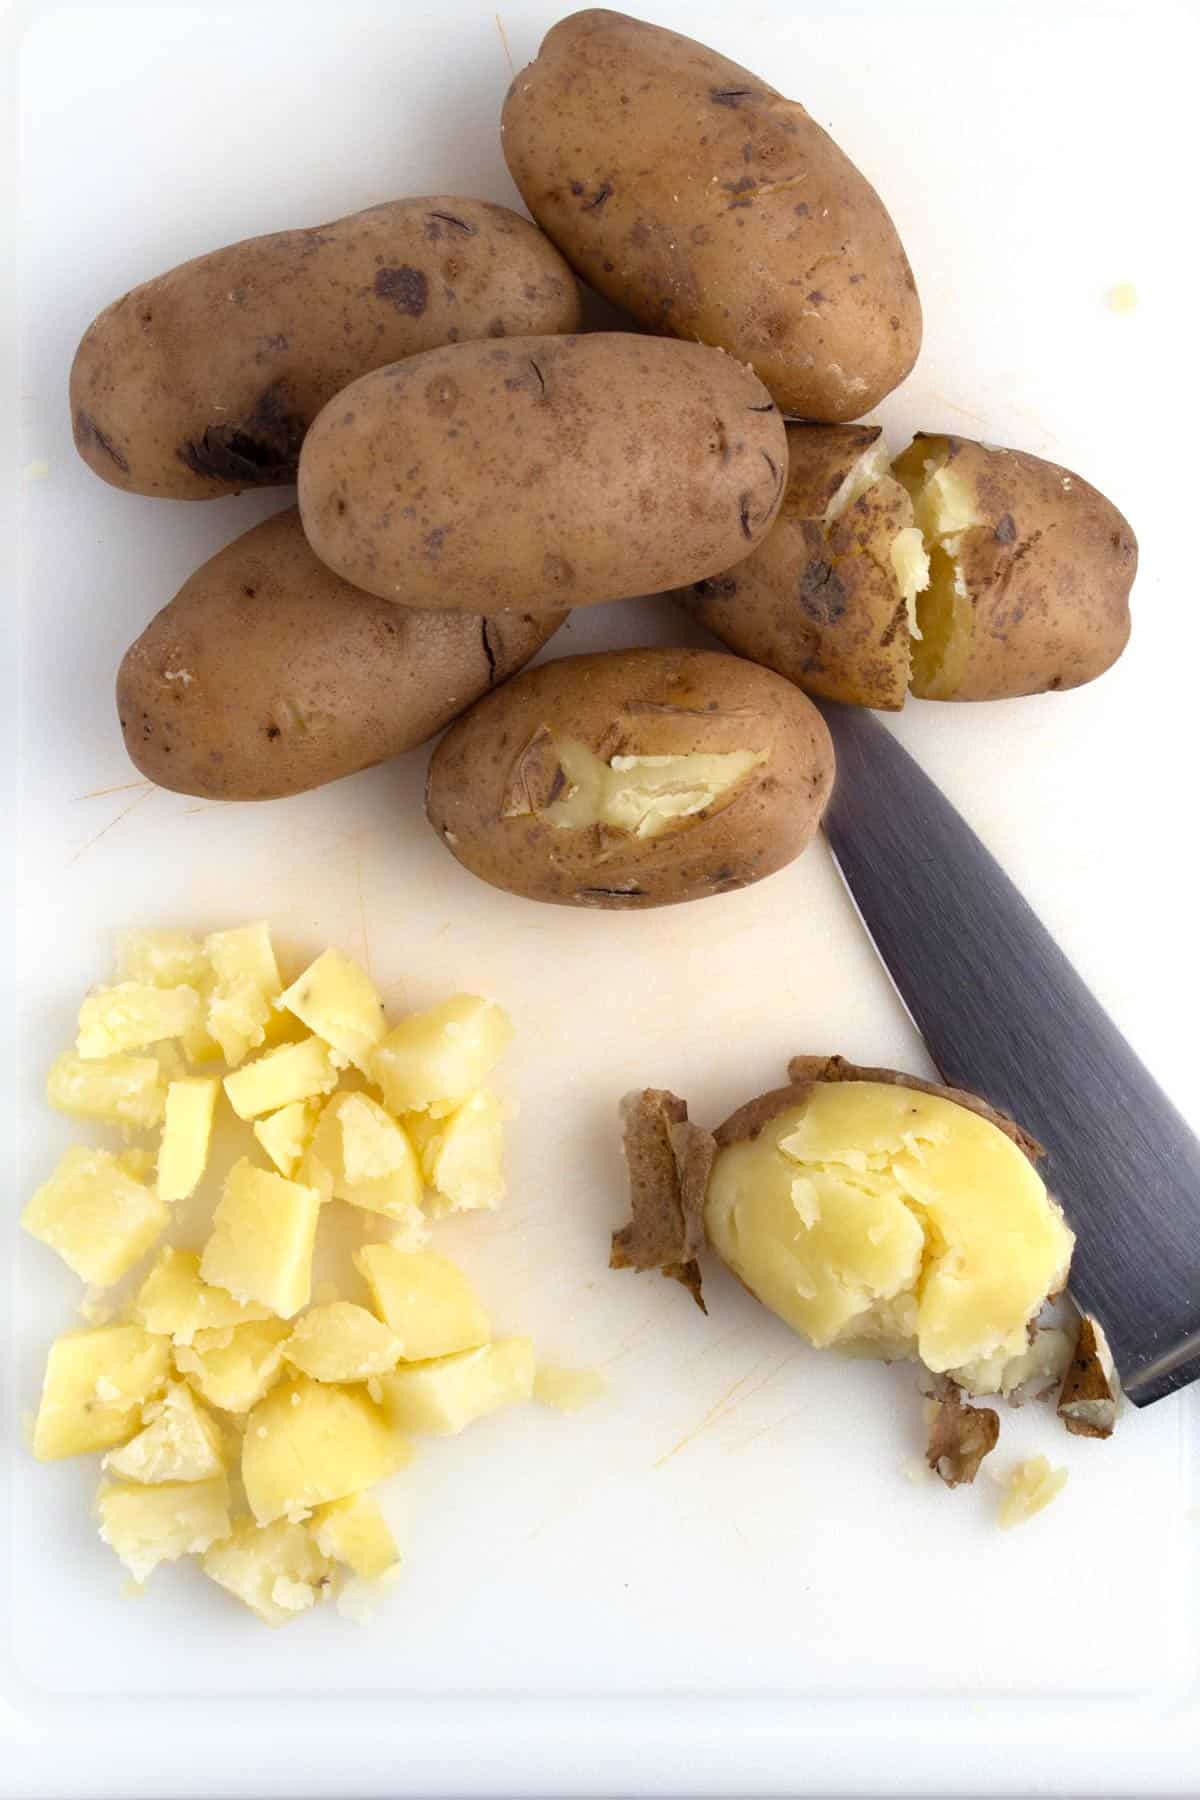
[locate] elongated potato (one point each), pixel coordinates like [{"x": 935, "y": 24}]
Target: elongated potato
[
  {"x": 204, "y": 380},
  {"x": 544, "y": 472},
  {"x": 631, "y": 779},
  {"x": 689, "y": 191},
  {"x": 266, "y": 675},
  {"x": 825, "y": 598}
]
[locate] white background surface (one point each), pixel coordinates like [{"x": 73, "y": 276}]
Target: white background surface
[{"x": 720, "y": 1580}]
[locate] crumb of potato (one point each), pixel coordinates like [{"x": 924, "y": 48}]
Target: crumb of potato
[{"x": 1029, "y": 1489}]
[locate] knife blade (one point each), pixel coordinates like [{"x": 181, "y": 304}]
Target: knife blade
[{"x": 1004, "y": 1014}]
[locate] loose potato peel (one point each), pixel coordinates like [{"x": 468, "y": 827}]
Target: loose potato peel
[{"x": 680, "y": 1204}]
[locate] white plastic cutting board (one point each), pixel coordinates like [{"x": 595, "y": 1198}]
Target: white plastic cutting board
[{"x": 722, "y": 1579}]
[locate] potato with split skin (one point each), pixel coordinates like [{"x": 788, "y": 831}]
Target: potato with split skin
[
  {"x": 267, "y": 675},
  {"x": 632, "y": 779},
  {"x": 873, "y": 1212},
  {"x": 962, "y": 572},
  {"x": 543, "y": 472},
  {"x": 1030, "y": 572},
  {"x": 690, "y": 192},
  {"x": 827, "y": 598},
  {"x": 204, "y": 380}
]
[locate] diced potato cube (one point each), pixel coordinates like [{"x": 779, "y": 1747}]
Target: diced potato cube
[
  {"x": 151, "y": 1525},
  {"x": 434, "y": 1060},
  {"x": 245, "y": 954},
  {"x": 308, "y": 1443},
  {"x": 353, "y": 1531},
  {"x": 263, "y": 1233},
  {"x": 133, "y": 1014},
  {"x": 199, "y": 1045},
  {"x": 292, "y": 1072},
  {"x": 183, "y": 1152},
  {"x": 233, "y": 1368},
  {"x": 342, "y": 1342},
  {"x": 174, "y": 1302},
  {"x": 567, "y": 1389},
  {"x": 276, "y": 1570},
  {"x": 161, "y": 958},
  {"x": 95, "y": 1385},
  {"x": 338, "y": 1000},
  {"x": 178, "y": 1441},
  {"x": 462, "y": 1154},
  {"x": 116, "y": 1090},
  {"x": 237, "y": 1019},
  {"x": 369, "y": 1159},
  {"x": 425, "y": 1299},
  {"x": 97, "y": 1217},
  {"x": 285, "y": 1134},
  {"x": 135, "y": 1162},
  {"x": 443, "y": 1397}
]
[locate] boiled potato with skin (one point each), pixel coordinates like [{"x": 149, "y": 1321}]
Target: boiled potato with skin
[
  {"x": 632, "y": 779},
  {"x": 267, "y": 675},
  {"x": 1030, "y": 572},
  {"x": 204, "y": 380},
  {"x": 690, "y": 192},
  {"x": 822, "y": 600},
  {"x": 542, "y": 473}
]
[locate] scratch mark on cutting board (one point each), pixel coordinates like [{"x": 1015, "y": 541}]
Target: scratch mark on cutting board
[
  {"x": 728, "y": 1403},
  {"x": 111, "y": 826},
  {"x": 504, "y": 45},
  {"x": 122, "y": 787}
]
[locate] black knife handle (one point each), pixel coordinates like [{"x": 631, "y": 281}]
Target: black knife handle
[{"x": 1005, "y": 1015}]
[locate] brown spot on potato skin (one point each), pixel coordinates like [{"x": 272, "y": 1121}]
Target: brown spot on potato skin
[
  {"x": 1006, "y": 530},
  {"x": 406, "y": 288},
  {"x": 436, "y": 220},
  {"x": 261, "y": 450},
  {"x": 821, "y": 592},
  {"x": 441, "y": 395},
  {"x": 87, "y": 433}
]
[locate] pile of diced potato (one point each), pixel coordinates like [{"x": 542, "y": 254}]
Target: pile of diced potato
[{"x": 238, "y": 1421}]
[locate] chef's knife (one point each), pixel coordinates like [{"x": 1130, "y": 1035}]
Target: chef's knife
[{"x": 1004, "y": 1015}]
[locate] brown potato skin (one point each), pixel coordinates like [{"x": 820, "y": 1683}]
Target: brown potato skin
[
  {"x": 634, "y": 702},
  {"x": 688, "y": 191},
  {"x": 1049, "y": 572},
  {"x": 204, "y": 380},
  {"x": 543, "y": 472},
  {"x": 819, "y": 606},
  {"x": 296, "y": 678}
]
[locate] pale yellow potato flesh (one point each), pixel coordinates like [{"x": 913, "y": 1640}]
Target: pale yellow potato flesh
[
  {"x": 878, "y": 1212},
  {"x": 308, "y": 1443},
  {"x": 95, "y": 1215},
  {"x": 644, "y": 795},
  {"x": 433, "y": 1061},
  {"x": 151, "y": 1525},
  {"x": 261, "y": 1246},
  {"x": 187, "y": 1127},
  {"x": 95, "y": 1385},
  {"x": 234, "y": 1367},
  {"x": 1029, "y": 1490},
  {"x": 276, "y": 1570},
  {"x": 178, "y": 1441},
  {"x": 175, "y": 1302},
  {"x": 338, "y": 1001},
  {"x": 354, "y": 1532}
]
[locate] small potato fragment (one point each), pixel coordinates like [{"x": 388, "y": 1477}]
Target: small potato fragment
[
  {"x": 1090, "y": 1397},
  {"x": 425, "y": 1299},
  {"x": 95, "y": 1215},
  {"x": 1029, "y": 1490},
  {"x": 543, "y": 473},
  {"x": 175, "y": 1302},
  {"x": 114, "y": 1090},
  {"x": 567, "y": 1390},
  {"x": 443, "y": 1397},
  {"x": 308, "y": 1443},
  {"x": 632, "y": 779},
  {"x": 95, "y": 1385},
  {"x": 339, "y": 1002},
  {"x": 1030, "y": 572},
  {"x": 285, "y": 1135},
  {"x": 113, "y": 1020},
  {"x": 433, "y": 1061},
  {"x": 161, "y": 959},
  {"x": 234, "y": 1367},
  {"x": 183, "y": 1152},
  {"x": 960, "y": 1437},
  {"x": 294, "y": 677},
  {"x": 261, "y": 1246},
  {"x": 354, "y": 1531},
  {"x": 178, "y": 1441},
  {"x": 276, "y": 1570},
  {"x": 341, "y": 1342},
  {"x": 291, "y": 1072},
  {"x": 203, "y": 381},
  {"x": 147, "y": 1526}
]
